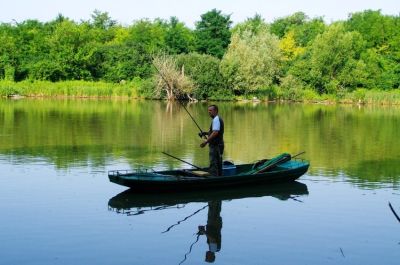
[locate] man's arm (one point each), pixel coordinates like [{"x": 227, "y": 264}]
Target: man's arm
[{"x": 210, "y": 137}]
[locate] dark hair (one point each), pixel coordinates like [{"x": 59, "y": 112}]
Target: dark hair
[{"x": 214, "y": 106}]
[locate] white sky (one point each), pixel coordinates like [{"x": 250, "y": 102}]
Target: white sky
[{"x": 187, "y": 11}]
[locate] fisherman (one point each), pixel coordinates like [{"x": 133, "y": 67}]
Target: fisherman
[{"x": 215, "y": 141}]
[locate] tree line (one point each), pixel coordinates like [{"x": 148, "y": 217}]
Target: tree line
[{"x": 293, "y": 57}]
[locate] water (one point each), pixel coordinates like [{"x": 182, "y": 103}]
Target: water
[{"x": 58, "y": 206}]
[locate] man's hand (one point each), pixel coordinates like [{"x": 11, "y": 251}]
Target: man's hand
[
  {"x": 202, "y": 134},
  {"x": 203, "y": 144}
]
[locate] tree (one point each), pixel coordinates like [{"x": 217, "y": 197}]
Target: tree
[
  {"x": 213, "y": 33},
  {"x": 334, "y": 62},
  {"x": 170, "y": 80},
  {"x": 8, "y": 52},
  {"x": 252, "y": 61},
  {"x": 254, "y": 25},
  {"x": 375, "y": 28},
  {"x": 102, "y": 20},
  {"x": 281, "y": 25},
  {"x": 289, "y": 47},
  {"x": 148, "y": 37},
  {"x": 203, "y": 69},
  {"x": 304, "y": 30},
  {"x": 382, "y": 55},
  {"x": 178, "y": 38}
]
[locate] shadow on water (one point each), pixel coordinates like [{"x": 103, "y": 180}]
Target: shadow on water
[{"x": 131, "y": 203}]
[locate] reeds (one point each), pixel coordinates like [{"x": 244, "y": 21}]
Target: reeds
[{"x": 69, "y": 89}]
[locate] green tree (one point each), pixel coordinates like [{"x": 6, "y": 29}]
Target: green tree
[
  {"x": 334, "y": 64},
  {"x": 383, "y": 42},
  {"x": 204, "y": 71},
  {"x": 375, "y": 28},
  {"x": 281, "y": 25},
  {"x": 178, "y": 38},
  {"x": 304, "y": 30},
  {"x": 254, "y": 25},
  {"x": 252, "y": 61},
  {"x": 102, "y": 20},
  {"x": 213, "y": 33},
  {"x": 8, "y": 52}
]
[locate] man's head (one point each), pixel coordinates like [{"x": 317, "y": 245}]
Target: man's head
[
  {"x": 210, "y": 256},
  {"x": 212, "y": 110}
]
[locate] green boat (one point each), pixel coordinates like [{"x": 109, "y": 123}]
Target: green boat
[{"x": 281, "y": 168}]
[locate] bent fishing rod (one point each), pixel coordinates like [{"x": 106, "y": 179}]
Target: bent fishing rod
[
  {"x": 201, "y": 131},
  {"x": 165, "y": 81}
]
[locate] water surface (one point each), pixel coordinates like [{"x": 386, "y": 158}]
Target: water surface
[{"x": 58, "y": 206}]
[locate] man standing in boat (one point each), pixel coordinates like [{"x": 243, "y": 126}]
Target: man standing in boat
[{"x": 215, "y": 141}]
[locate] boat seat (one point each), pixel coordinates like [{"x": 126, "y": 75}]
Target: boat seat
[{"x": 200, "y": 173}]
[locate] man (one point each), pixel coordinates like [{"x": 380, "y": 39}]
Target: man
[{"x": 215, "y": 141}]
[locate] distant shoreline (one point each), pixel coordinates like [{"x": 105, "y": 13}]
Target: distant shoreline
[{"x": 102, "y": 90}]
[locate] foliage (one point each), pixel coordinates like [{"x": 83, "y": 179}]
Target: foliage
[
  {"x": 333, "y": 62},
  {"x": 178, "y": 38},
  {"x": 213, "y": 33},
  {"x": 254, "y": 25},
  {"x": 289, "y": 48},
  {"x": 295, "y": 57},
  {"x": 204, "y": 70},
  {"x": 252, "y": 61},
  {"x": 304, "y": 30}
]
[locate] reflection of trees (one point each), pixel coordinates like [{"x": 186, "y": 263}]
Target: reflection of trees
[{"x": 359, "y": 142}]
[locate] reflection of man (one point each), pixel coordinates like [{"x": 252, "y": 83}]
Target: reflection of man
[{"x": 212, "y": 230}]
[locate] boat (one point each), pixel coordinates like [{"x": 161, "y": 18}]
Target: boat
[
  {"x": 282, "y": 168},
  {"x": 132, "y": 202}
]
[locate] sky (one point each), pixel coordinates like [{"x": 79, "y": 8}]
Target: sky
[{"x": 188, "y": 11}]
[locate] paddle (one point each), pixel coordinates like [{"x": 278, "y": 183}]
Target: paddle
[
  {"x": 282, "y": 159},
  {"x": 183, "y": 161}
]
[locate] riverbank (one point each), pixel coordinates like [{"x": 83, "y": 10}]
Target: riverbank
[{"x": 142, "y": 89}]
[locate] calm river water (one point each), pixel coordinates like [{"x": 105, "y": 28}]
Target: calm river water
[{"x": 58, "y": 207}]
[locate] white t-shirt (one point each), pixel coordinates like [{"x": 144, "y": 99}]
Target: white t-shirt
[{"x": 216, "y": 125}]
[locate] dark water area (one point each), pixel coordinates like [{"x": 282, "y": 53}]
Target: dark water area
[{"x": 58, "y": 206}]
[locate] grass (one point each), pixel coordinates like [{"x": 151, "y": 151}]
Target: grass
[
  {"x": 383, "y": 97},
  {"x": 69, "y": 89}
]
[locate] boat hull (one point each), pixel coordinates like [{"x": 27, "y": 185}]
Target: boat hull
[{"x": 183, "y": 180}]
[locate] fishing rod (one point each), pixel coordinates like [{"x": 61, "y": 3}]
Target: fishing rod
[
  {"x": 187, "y": 217},
  {"x": 183, "y": 161},
  {"x": 395, "y": 214},
  {"x": 166, "y": 82},
  {"x": 201, "y": 131},
  {"x": 302, "y": 152},
  {"x": 190, "y": 249}
]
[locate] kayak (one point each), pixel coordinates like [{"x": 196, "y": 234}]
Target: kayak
[{"x": 275, "y": 170}]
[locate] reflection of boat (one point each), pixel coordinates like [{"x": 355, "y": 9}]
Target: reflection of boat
[
  {"x": 194, "y": 179},
  {"x": 130, "y": 199}
]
